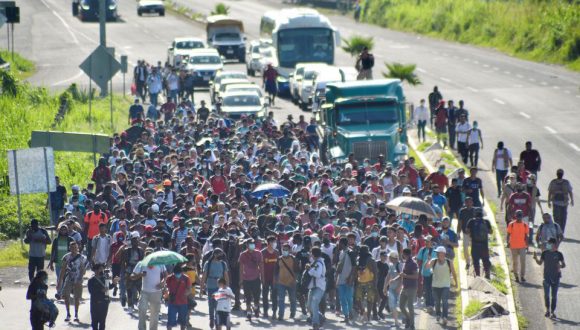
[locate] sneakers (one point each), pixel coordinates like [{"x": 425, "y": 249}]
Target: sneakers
[
  {"x": 67, "y": 319},
  {"x": 444, "y": 322},
  {"x": 249, "y": 316},
  {"x": 523, "y": 279},
  {"x": 467, "y": 266},
  {"x": 438, "y": 318},
  {"x": 553, "y": 315},
  {"x": 517, "y": 278},
  {"x": 547, "y": 314}
]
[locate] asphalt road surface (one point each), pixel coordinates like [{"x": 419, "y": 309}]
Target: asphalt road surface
[{"x": 513, "y": 100}]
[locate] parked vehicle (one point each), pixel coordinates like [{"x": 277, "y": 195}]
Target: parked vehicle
[
  {"x": 227, "y": 36},
  {"x": 150, "y": 7},
  {"x": 214, "y": 85},
  {"x": 225, "y": 82},
  {"x": 180, "y": 49},
  {"x": 204, "y": 63},
  {"x": 365, "y": 119},
  {"x": 244, "y": 87},
  {"x": 260, "y": 53},
  {"x": 328, "y": 75},
  {"x": 305, "y": 87},
  {"x": 234, "y": 105}
]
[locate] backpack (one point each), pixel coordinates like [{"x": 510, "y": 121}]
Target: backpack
[
  {"x": 560, "y": 191},
  {"x": 480, "y": 232}
]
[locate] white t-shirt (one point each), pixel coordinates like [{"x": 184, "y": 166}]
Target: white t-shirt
[
  {"x": 376, "y": 253},
  {"x": 499, "y": 161},
  {"x": 224, "y": 299},
  {"x": 151, "y": 278},
  {"x": 102, "y": 248},
  {"x": 461, "y": 131},
  {"x": 473, "y": 136},
  {"x": 329, "y": 251}
]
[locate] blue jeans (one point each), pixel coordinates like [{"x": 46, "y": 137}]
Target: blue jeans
[
  {"x": 314, "y": 297},
  {"x": 428, "y": 290},
  {"x": 57, "y": 271},
  {"x": 212, "y": 303},
  {"x": 345, "y": 295},
  {"x": 176, "y": 314},
  {"x": 499, "y": 177},
  {"x": 441, "y": 296},
  {"x": 153, "y": 98},
  {"x": 551, "y": 291},
  {"x": 282, "y": 289},
  {"x": 35, "y": 264}
]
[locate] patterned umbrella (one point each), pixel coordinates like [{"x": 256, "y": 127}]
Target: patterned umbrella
[{"x": 411, "y": 205}]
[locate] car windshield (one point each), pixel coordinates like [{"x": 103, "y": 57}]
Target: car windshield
[
  {"x": 266, "y": 52},
  {"x": 206, "y": 59},
  {"x": 309, "y": 75},
  {"x": 373, "y": 113},
  {"x": 305, "y": 45},
  {"x": 242, "y": 101},
  {"x": 227, "y": 37},
  {"x": 188, "y": 44},
  {"x": 243, "y": 89}
]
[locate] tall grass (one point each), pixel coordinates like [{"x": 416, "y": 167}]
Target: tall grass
[
  {"x": 35, "y": 108},
  {"x": 532, "y": 29},
  {"x": 21, "y": 67}
]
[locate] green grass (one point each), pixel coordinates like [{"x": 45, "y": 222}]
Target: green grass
[
  {"x": 545, "y": 31},
  {"x": 499, "y": 278},
  {"x": 21, "y": 67},
  {"x": 34, "y": 108},
  {"x": 184, "y": 11},
  {"x": 16, "y": 255},
  {"x": 423, "y": 146},
  {"x": 458, "y": 300},
  {"x": 472, "y": 308},
  {"x": 418, "y": 162},
  {"x": 523, "y": 322}
]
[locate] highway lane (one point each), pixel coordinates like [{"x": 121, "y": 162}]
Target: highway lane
[{"x": 513, "y": 100}]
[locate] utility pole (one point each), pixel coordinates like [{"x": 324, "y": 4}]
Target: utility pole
[{"x": 103, "y": 40}]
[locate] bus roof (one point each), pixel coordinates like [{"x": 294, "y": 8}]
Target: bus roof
[{"x": 295, "y": 18}]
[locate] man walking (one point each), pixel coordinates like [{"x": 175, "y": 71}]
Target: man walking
[
  {"x": 286, "y": 271},
  {"x": 517, "y": 240},
  {"x": 269, "y": 260},
  {"x": 56, "y": 199},
  {"x": 500, "y": 164},
  {"x": 434, "y": 98},
  {"x": 559, "y": 196},
  {"x": 451, "y": 123},
  {"x": 153, "y": 280},
  {"x": 479, "y": 230},
  {"x": 38, "y": 239},
  {"x": 140, "y": 77},
  {"x": 251, "y": 272},
  {"x": 465, "y": 214},
  {"x": 410, "y": 276},
  {"x": 462, "y": 129},
  {"x": 317, "y": 286},
  {"x": 531, "y": 158},
  {"x": 364, "y": 64},
  {"x": 421, "y": 116},
  {"x": 443, "y": 272},
  {"x": 553, "y": 261},
  {"x": 548, "y": 230}
]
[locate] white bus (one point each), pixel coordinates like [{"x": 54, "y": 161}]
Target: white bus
[{"x": 299, "y": 35}]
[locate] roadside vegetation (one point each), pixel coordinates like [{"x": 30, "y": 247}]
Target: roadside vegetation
[
  {"x": 355, "y": 44},
  {"x": 21, "y": 68},
  {"x": 405, "y": 73},
  {"x": 220, "y": 9},
  {"x": 472, "y": 308},
  {"x": 545, "y": 31},
  {"x": 24, "y": 108}
]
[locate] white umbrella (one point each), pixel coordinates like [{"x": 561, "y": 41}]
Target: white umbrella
[{"x": 411, "y": 205}]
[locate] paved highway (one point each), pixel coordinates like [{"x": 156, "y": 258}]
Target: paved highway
[{"x": 513, "y": 100}]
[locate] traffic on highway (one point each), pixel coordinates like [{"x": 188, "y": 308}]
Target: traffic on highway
[{"x": 265, "y": 179}]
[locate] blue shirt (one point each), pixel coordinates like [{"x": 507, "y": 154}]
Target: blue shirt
[
  {"x": 409, "y": 226},
  {"x": 439, "y": 200},
  {"x": 452, "y": 237},
  {"x": 424, "y": 256}
]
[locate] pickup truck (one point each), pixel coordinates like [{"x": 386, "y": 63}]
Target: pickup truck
[{"x": 227, "y": 36}]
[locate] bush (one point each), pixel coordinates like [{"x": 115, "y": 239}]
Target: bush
[
  {"x": 532, "y": 29},
  {"x": 355, "y": 44}
]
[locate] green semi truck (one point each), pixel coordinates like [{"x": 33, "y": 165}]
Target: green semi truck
[{"x": 364, "y": 119}]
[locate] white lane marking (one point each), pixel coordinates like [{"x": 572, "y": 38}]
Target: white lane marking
[
  {"x": 532, "y": 79},
  {"x": 499, "y": 101},
  {"x": 472, "y": 89},
  {"x": 421, "y": 70},
  {"x": 466, "y": 59},
  {"x": 518, "y": 86},
  {"x": 496, "y": 68},
  {"x": 567, "y": 91},
  {"x": 560, "y": 138},
  {"x": 550, "y": 129},
  {"x": 486, "y": 65},
  {"x": 507, "y": 72},
  {"x": 525, "y": 115},
  {"x": 445, "y": 79},
  {"x": 66, "y": 81},
  {"x": 520, "y": 76},
  {"x": 378, "y": 55},
  {"x": 475, "y": 61},
  {"x": 556, "y": 87},
  {"x": 574, "y": 146},
  {"x": 544, "y": 83}
]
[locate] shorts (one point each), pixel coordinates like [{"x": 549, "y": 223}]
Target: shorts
[
  {"x": 223, "y": 318},
  {"x": 441, "y": 129},
  {"x": 176, "y": 314},
  {"x": 365, "y": 289},
  {"x": 75, "y": 288}
]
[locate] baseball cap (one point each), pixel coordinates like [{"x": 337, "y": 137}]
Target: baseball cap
[
  {"x": 135, "y": 234},
  {"x": 441, "y": 249}
]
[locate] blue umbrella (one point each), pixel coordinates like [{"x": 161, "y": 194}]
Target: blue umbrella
[{"x": 273, "y": 189}]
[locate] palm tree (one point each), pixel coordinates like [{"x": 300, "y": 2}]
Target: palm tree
[
  {"x": 402, "y": 72},
  {"x": 355, "y": 44},
  {"x": 221, "y": 9}
]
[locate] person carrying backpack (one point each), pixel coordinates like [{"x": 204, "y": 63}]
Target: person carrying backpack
[
  {"x": 317, "y": 285},
  {"x": 548, "y": 230},
  {"x": 479, "y": 230},
  {"x": 36, "y": 293},
  {"x": 443, "y": 273},
  {"x": 213, "y": 269},
  {"x": 559, "y": 196},
  {"x": 344, "y": 277}
]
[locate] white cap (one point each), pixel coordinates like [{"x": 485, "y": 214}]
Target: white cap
[
  {"x": 406, "y": 190},
  {"x": 440, "y": 249},
  {"x": 155, "y": 208},
  {"x": 394, "y": 254},
  {"x": 135, "y": 234}
]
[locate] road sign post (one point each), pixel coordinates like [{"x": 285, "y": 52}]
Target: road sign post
[{"x": 101, "y": 66}]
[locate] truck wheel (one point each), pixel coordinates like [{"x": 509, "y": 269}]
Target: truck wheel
[
  {"x": 139, "y": 13},
  {"x": 162, "y": 13},
  {"x": 324, "y": 152}
]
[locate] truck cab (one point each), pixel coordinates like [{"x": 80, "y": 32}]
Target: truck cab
[
  {"x": 227, "y": 36},
  {"x": 364, "y": 119}
]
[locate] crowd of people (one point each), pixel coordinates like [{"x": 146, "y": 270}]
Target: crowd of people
[{"x": 184, "y": 181}]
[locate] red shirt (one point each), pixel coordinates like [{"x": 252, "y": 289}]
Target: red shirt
[
  {"x": 270, "y": 74},
  {"x": 520, "y": 201},
  {"x": 218, "y": 184},
  {"x": 269, "y": 260},
  {"x": 93, "y": 221},
  {"x": 168, "y": 107},
  {"x": 411, "y": 173},
  {"x": 250, "y": 260},
  {"x": 438, "y": 179},
  {"x": 177, "y": 287}
]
